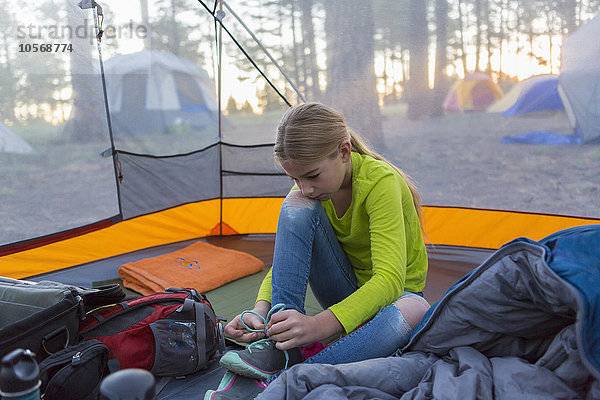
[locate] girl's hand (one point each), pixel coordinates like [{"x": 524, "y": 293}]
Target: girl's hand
[
  {"x": 290, "y": 328},
  {"x": 236, "y": 329}
]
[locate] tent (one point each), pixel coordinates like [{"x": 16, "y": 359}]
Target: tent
[
  {"x": 537, "y": 93},
  {"x": 84, "y": 209},
  {"x": 576, "y": 90},
  {"x": 10, "y": 142},
  {"x": 579, "y": 80},
  {"x": 97, "y": 204},
  {"x": 473, "y": 93},
  {"x": 154, "y": 91}
]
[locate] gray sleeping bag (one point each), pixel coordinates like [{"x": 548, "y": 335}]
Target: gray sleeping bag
[{"x": 511, "y": 329}]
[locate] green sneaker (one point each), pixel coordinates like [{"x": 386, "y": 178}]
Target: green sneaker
[
  {"x": 260, "y": 360},
  {"x": 236, "y": 387}
]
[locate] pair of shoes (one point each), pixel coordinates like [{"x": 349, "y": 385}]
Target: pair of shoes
[
  {"x": 236, "y": 387},
  {"x": 260, "y": 360}
]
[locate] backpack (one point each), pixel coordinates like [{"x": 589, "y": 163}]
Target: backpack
[
  {"x": 75, "y": 372},
  {"x": 169, "y": 334}
]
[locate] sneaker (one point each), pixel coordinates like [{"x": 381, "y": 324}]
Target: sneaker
[
  {"x": 260, "y": 360},
  {"x": 236, "y": 387}
]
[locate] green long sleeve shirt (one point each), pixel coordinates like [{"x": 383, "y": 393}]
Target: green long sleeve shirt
[{"x": 381, "y": 236}]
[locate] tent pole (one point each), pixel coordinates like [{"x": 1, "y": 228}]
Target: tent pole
[
  {"x": 287, "y": 78},
  {"x": 220, "y": 64},
  {"x": 219, "y": 17},
  {"x": 96, "y": 12}
]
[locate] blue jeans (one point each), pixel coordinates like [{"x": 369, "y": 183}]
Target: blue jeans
[{"x": 307, "y": 251}]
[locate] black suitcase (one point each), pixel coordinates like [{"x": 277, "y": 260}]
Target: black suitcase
[{"x": 44, "y": 317}]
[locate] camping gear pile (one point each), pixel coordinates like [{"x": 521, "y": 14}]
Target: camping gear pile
[{"x": 80, "y": 335}]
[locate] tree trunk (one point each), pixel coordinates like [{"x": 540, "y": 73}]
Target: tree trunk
[
  {"x": 488, "y": 36},
  {"x": 417, "y": 87},
  {"x": 441, "y": 57},
  {"x": 478, "y": 24},
  {"x": 404, "y": 65},
  {"x": 384, "y": 73},
  {"x": 530, "y": 37},
  {"x": 8, "y": 102},
  {"x": 173, "y": 33},
  {"x": 296, "y": 60},
  {"x": 395, "y": 83},
  {"x": 501, "y": 35},
  {"x": 550, "y": 20},
  {"x": 145, "y": 23},
  {"x": 350, "y": 70},
  {"x": 569, "y": 13},
  {"x": 461, "y": 29},
  {"x": 308, "y": 34},
  {"x": 88, "y": 116}
]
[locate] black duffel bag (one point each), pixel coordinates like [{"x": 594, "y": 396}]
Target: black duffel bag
[{"x": 44, "y": 317}]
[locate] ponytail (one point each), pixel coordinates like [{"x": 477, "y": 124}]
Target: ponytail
[{"x": 359, "y": 146}]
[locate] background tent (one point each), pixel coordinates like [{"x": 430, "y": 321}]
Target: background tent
[
  {"x": 473, "y": 93},
  {"x": 579, "y": 79},
  {"x": 156, "y": 91},
  {"x": 537, "y": 93},
  {"x": 10, "y": 142}
]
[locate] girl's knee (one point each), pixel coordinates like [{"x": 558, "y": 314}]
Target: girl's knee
[
  {"x": 296, "y": 202},
  {"x": 413, "y": 308}
]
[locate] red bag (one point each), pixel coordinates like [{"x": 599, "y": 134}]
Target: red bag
[{"x": 169, "y": 334}]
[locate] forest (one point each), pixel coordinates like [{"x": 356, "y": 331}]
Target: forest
[
  {"x": 356, "y": 55},
  {"x": 386, "y": 64}
]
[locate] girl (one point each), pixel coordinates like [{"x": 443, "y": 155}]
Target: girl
[{"x": 351, "y": 228}]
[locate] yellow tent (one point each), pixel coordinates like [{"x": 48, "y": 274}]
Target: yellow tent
[{"x": 473, "y": 93}]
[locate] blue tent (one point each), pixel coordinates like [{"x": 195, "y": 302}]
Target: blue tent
[{"x": 540, "y": 95}]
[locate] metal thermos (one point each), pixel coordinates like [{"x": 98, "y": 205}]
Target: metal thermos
[
  {"x": 20, "y": 376},
  {"x": 128, "y": 384}
]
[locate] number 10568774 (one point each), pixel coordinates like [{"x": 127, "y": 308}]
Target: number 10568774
[{"x": 45, "y": 47}]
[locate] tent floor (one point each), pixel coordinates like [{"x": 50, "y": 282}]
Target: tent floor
[{"x": 446, "y": 266}]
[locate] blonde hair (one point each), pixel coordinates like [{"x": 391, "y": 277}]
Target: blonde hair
[{"x": 311, "y": 132}]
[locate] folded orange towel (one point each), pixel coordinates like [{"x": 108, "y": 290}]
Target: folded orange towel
[{"x": 201, "y": 266}]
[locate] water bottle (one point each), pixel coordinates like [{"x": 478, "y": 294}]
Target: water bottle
[
  {"x": 128, "y": 384},
  {"x": 20, "y": 376}
]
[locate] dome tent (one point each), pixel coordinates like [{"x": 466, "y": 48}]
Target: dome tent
[
  {"x": 10, "y": 142},
  {"x": 473, "y": 93},
  {"x": 579, "y": 80},
  {"x": 537, "y": 93},
  {"x": 152, "y": 91}
]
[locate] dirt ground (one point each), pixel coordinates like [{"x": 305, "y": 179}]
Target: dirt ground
[{"x": 456, "y": 160}]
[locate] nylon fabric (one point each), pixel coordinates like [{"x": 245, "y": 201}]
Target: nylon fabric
[{"x": 479, "y": 228}]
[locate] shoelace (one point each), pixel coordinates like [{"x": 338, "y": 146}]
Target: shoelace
[{"x": 262, "y": 342}]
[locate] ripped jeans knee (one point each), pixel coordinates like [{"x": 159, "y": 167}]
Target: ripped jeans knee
[
  {"x": 412, "y": 307},
  {"x": 297, "y": 205}
]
